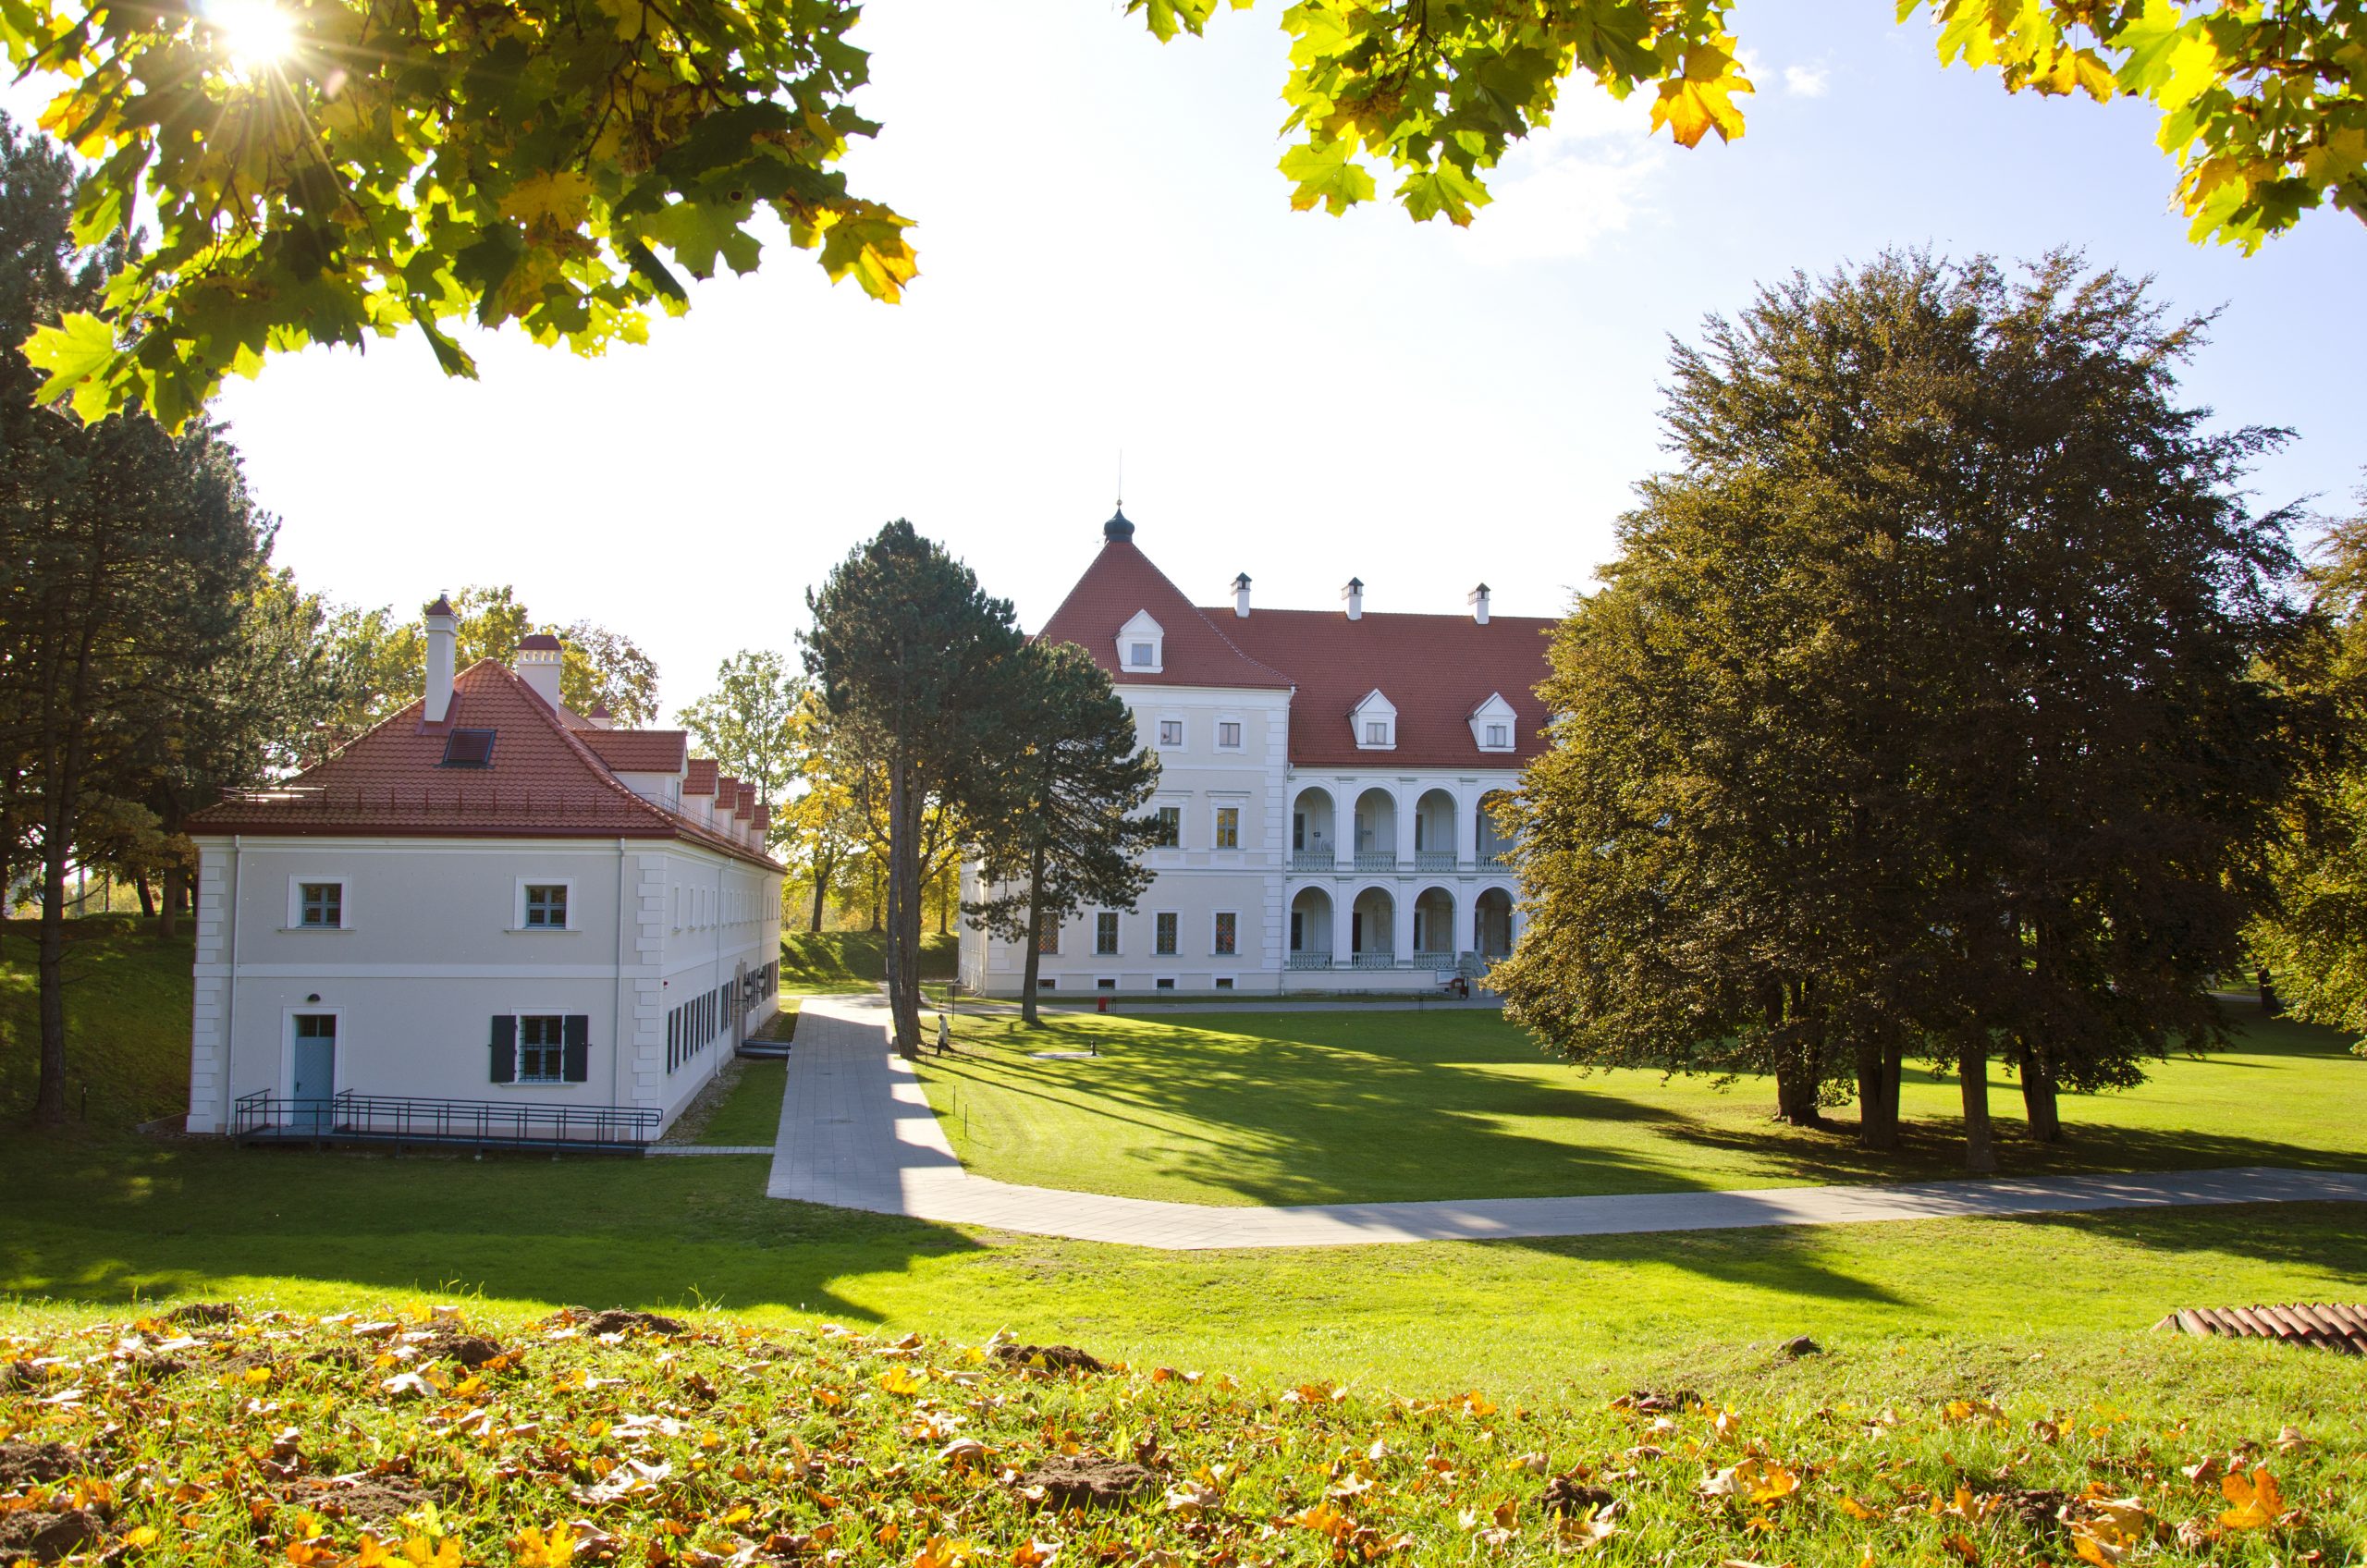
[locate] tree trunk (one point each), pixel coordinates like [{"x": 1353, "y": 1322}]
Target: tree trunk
[
  {"x": 874, "y": 899},
  {"x": 1878, "y": 1068},
  {"x": 49, "y": 1099},
  {"x": 2039, "y": 1102},
  {"x": 1980, "y": 1147},
  {"x": 1797, "y": 1060},
  {"x": 1027, "y": 1014},
  {"x": 903, "y": 910},
  {"x": 169, "y": 923},
  {"x": 147, "y": 896},
  {"x": 823, "y": 866}
]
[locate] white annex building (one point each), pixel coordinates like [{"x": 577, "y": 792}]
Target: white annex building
[
  {"x": 1323, "y": 785},
  {"x": 488, "y": 919}
]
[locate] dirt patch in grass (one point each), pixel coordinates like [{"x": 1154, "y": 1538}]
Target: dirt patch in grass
[
  {"x": 1082, "y": 1482},
  {"x": 1057, "y": 1358},
  {"x": 31, "y": 1536},
  {"x": 24, "y": 1464},
  {"x": 620, "y": 1321}
]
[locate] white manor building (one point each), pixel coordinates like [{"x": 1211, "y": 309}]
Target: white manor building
[
  {"x": 488, "y": 919},
  {"x": 1323, "y": 785}
]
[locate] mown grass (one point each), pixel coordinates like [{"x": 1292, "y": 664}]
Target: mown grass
[
  {"x": 832, "y": 962},
  {"x": 127, "y": 1019},
  {"x": 368, "y": 1438},
  {"x": 750, "y": 1113},
  {"x": 1284, "y": 1108},
  {"x": 108, "y": 1223}
]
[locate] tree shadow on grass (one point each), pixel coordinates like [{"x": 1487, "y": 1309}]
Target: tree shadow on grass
[{"x": 122, "y": 1220}]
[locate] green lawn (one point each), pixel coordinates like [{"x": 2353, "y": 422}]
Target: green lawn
[
  {"x": 751, "y": 1112},
  {"x": 1370, "y": 1107},
  {"x": 127, "y": 1020},
  {"x": 107, "y": 1221},
  {"x": 828, "y": 962},
  {"x": 96, "y": 1220}
]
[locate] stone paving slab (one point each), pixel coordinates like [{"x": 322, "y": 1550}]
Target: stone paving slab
[
  {"x": 708, "y": 1148},
  {"x": 856, "y": 1132}
]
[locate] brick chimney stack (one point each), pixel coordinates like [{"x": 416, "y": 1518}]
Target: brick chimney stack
[
  {"x": 539, "y": 659},
  {"x": 443, "y": 637}
]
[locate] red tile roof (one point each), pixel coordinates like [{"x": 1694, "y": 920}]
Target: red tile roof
[
  {"x": 701, "y": 779},
  {"x": 1434, "y": 669},
  {"x": 2330, "y": 1325},
  {"x": 544, "y": 781},
  {"x": 1194, "y": 653},
  {"x": 637, "y": 750}
]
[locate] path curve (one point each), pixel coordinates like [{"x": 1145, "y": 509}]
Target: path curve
[{"x": 856, "y": 1133}]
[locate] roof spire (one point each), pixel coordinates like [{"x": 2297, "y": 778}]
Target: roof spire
[{"x": 1118, "y": 531}]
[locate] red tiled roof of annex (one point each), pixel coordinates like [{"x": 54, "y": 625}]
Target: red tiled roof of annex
[
  {"x": 543, "y": 779},
  {"x": 1436, "y": 670}
]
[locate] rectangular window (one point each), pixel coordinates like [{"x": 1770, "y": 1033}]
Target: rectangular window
[
  {"x": 1229, "y": 736},
  {"x": 541, "y": 1048},
  {"x": 1228, "y": 828},
  {"x": 1165, "y": 923},
  {"x": 1499, "y": 735},
  {"x": 1171, "y": 826},
  {"x": 1138, "y": 654},
  {"x": 1105, "y": 932},
  {"x": 1105, "y": 984},
  {"x": 546, "y": 906},
  {"x": 320, "y": 906},
  {"x": 1376, "y": 733},
  {"x": 1046, "y": 984},
  {"x": 1226, "y": 927},
  {"x": 1047, "y": 936},
  {"x": 1225, "y": 983},
  {"x": 1171, "y": 732},
  {"x": 1165, "y": 983}
]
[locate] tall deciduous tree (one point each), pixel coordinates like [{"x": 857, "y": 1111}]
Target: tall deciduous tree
[
  {"x": 1921, "y": 708},
  {"x": 381, "y": 659},
  {"x": 1064, "y": 833},
  {"x": 917, "y": 665},
  {"x": 560, "y": 164},
  {"x": 749, "y": 724},
  {"x": 2313, "y": 935}
]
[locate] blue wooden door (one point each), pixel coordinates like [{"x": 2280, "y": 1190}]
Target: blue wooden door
[{"x": 312, "y": 1078}]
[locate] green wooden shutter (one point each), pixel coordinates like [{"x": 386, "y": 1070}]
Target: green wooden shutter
[
  {"x": 575, "y": 1057},
  {"x": 505, "y": 1047}
]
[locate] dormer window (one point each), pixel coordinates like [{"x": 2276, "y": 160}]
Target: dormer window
[
  {"x": 1493, "y": 724},
  {"x": 1141, "y": 645},
  {"x": 1374, "y": 723}
]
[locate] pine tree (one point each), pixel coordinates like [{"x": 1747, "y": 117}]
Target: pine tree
[
  {"x": 917, "y": 665},
  {"x": 1063, "y": 835}
]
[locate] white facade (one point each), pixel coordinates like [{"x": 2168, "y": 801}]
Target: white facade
[
  {"x": 429, "y": 946},
  {"x": 1334, "y": 879}
]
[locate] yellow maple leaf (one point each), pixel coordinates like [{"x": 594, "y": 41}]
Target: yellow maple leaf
[
  {"x": 423, "y": 1551},
  {"x": 1702, "y": 99},
  {"x": 2256, "y": 1498},
  {"x": 536, "y": 1548},
  {"x": 1857, "y": 1510},
  {"x": 901, "y": 1381},
  {"x": 560, "y": 197}
]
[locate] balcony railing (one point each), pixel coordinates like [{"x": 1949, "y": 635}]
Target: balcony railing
[
  {"x": 1373, "y": 960},
  {"x": 1307, "y": 960},
  {"x": 1434, "y": 960},
  {"x": 1313, "y": 860},
  {"x": 1434, "y": 860},
  {"x": 1376, "y": 860},
  {"x": 262, "y": 1116}
]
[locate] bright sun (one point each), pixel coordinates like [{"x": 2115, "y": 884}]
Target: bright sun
[{"x": 254, "y": 33}]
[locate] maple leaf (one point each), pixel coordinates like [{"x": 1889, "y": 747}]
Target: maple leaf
[
  {"x": 421, "y": 1552},
  {"x": 538, "y": 1549},
  {"x": 1327, "y": 172},
  {"x": 2256, "y": 1499}
]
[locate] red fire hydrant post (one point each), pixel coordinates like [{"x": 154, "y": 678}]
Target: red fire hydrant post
[{"x": 1101, "y": 1004}]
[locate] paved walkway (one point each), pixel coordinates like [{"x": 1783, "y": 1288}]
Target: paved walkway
[{"x": 856, "y": 1133}]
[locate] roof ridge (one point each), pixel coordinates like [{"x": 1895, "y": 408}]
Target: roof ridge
[
  {"x": 1169, "y": 583},
  {"x": 550, "y": 716}
]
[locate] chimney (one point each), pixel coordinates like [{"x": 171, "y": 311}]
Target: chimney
[
  {"x": 1477, "y": 600},
  {"x": 442, "y": 632},
  {"x": 1241, "y": 596},
  {"x": 538, "y": 665},
  {"x": 600, "y": 718},
  {"x": 1355, "y": 593}
]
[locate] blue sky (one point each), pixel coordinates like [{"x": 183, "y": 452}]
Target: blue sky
[{"x": 1110, "y": 263}]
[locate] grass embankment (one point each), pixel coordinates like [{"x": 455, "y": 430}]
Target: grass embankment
[
  {"x": 373, "y": 1439},
  {"x": 828, "y": 962},
  {"x": 1370, "y": 1106},
  {"x": 127, "y": 1019},
  {"x": 750, "y": 1113}
]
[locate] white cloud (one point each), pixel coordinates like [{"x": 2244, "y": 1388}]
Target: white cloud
[
  {"x": 1556, "y": 206},
  {"x": 1805, "y": 81}
]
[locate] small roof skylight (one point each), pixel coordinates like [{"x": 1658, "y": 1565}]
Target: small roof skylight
[{"x": 468, "y": 748}]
